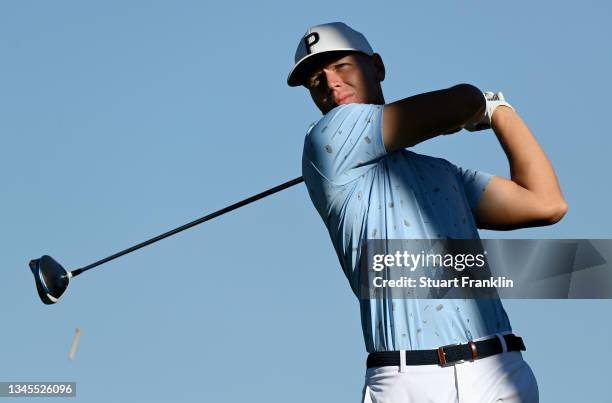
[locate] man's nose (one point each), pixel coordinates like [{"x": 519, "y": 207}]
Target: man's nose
[{"x": 333, "y": 79}]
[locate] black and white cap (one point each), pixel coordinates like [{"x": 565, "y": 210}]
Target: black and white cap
[{"x": 331, "y": 37}]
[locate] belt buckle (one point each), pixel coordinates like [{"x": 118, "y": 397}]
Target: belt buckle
[{"x": 443, "y": 362}]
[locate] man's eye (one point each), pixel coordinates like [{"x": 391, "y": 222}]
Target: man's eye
[{"x": 314, "y": 81}]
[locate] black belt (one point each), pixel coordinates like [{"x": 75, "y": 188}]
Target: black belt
[{"x": 448, "y": 355}]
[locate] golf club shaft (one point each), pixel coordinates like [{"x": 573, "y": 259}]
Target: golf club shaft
[{"x": 191, "y": 224}]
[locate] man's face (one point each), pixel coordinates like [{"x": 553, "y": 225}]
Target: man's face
[{"x": 342, "y": 78}]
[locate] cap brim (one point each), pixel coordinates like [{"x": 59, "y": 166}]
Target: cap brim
[{"x": 295, "y": 75}]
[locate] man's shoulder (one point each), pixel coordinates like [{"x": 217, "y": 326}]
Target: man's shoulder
[
  {"x": 344, "y": 143},
  {"x": 343, "y": 116}
]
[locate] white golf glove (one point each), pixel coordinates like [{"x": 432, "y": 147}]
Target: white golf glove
[{"x": 493, "y": 101}]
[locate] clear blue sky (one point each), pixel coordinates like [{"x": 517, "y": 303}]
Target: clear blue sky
[{"x": 120, "y": 120}]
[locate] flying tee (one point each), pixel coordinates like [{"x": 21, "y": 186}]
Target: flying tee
[{"x": 362, "y": 192}]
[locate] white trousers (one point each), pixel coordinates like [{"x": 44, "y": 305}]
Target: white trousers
[{"x": 499, "y": 378}]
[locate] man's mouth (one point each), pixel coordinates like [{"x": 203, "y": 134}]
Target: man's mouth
[{"x": 344, "y": 99}]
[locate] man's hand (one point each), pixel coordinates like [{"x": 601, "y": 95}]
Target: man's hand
[{"x": 493, "y": 101}]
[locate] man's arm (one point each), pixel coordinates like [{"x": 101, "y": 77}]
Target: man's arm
[
  {"x": 532, "y": 197},
  {"x": 415, "y": 119}
]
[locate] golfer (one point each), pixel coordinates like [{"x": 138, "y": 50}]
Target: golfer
[{"x": 366, "y": 184}]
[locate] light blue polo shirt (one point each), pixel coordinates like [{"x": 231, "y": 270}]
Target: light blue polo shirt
[{"x": 363, "y": 192}]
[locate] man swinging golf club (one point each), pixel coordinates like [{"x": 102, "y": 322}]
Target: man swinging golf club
[{"x": 366, "y": 185}]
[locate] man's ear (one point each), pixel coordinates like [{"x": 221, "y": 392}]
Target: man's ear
[{"x": 379, "y": 66}]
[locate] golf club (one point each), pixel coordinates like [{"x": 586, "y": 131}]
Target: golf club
[{"x": 52, "y": 279}]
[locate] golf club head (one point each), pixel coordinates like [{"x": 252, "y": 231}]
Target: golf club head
[{"x": 50, "y": 277}]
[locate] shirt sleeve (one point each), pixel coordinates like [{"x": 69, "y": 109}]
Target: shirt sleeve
[
  {"x": 474, "y": 184},
  {"x": 345, "y": 143}
]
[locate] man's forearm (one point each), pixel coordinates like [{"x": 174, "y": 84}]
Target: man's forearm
[
  {"x": 529, "y": 166},
  {"x": 418, "y": 118}
]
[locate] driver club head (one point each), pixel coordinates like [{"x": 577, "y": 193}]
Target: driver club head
[{"x": 50, "y": 277}]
